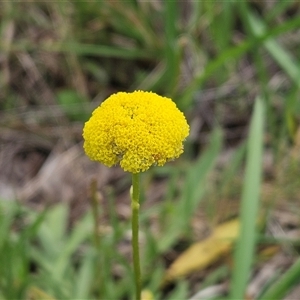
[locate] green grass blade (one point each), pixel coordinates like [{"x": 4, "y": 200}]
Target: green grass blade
[
  {"x": 277, "y": 9},
  {"x": 78, "y": 236},
  {"x": 283, "y": 58},
  {"x": 281, "y": 287},
  {"x": 85, "y": 276},
  {"x": 231, "y": 53},
  {"x": 194, "y": 186},
  {"x": 192, "y": 193},
  {"x": 180, "y": 291},
  {"x": 222, "y": 24},
  {"x": 249, "y": 207},
  {"x": 52, "y": 231},
  {"x": 171, "y": 47},
  {"x": 87, "y": 49}
]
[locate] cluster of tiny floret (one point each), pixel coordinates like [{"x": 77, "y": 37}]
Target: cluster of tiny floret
[{"x": 137, "y": 130}]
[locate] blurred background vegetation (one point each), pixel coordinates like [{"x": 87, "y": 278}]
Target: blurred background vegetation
[{"x": 217, "y": 60}]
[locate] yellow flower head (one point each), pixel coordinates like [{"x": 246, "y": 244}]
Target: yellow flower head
[{"x": 136, "y": 129}]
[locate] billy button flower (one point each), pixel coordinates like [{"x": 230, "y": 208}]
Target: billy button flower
[{"x": 136, "y": 130}]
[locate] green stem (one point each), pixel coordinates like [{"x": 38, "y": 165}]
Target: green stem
[
  {"x": 97, "y": 238},
  {"x": 135, "y": 233}
]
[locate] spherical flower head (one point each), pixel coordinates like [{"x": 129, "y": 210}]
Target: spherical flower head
[{"x": 137, "y": 130}]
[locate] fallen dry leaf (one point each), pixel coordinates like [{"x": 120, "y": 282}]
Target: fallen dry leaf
[{"x": 204, "y": 253}]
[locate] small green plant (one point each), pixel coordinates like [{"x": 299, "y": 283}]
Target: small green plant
[{"x": 137, "y": 130}]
